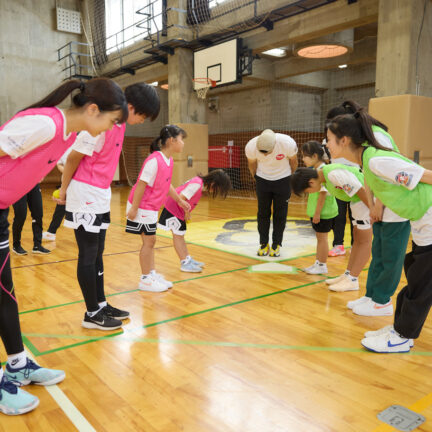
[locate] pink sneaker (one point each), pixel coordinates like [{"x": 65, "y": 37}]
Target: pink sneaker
[{"x": 336, "y": 251}]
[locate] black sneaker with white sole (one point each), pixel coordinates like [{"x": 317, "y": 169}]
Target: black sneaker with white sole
[
  {"x": 101, "y": 321},
  {"x": 41, "y": 250},
  {"x": 19, "y": 250},
  {"x": 113, "y": 312}
]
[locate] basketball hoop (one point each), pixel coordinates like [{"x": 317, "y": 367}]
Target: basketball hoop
[{"x": 205, "y": 84}]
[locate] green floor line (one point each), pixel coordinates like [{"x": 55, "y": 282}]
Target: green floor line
[
  {"x": 95, "y": 339},
  {"x": 30, "y": 346},
  {"x": 131, "y": 291}
]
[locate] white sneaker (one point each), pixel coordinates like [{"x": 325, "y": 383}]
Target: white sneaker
[
  {"x": 371, "y": 308},
  {"x": 150, "y": 283},
  {"x": 48, "y": 236},
  {"x": 382, "y": 331},
  {"x": 379, "y": 332},
  {"x": 335, "y": 280},
  {"x": 345, "y": 284},
  {"x": 316, "y": 269},
  {"x": 162, "y": 280},
  {"x": 361, "y": 300},
  {"x": 390, "y": 342}
]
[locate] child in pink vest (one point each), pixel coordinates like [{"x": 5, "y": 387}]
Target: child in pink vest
[
  {"x": 30, "y": 145},
  {"x": 88, "y": 173},
  {"x": 173, "y": 217},
  {"x": 147, "y": 197}
]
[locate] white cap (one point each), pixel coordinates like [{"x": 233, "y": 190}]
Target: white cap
[{"x": 266, "y": 141}]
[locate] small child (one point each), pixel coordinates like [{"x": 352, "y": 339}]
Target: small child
[
  {"x": 321, "y": 207},
  {"x": 146, "y": 198},
  {"x": 347, "y": 184},
  {"x": 173, "y": 217}
]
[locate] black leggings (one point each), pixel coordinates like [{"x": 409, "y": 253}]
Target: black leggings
[
  {"x": 90, "y": 266},
  {"x": 34, "y": 201},
  {"x": 10, "y": 330},
  {"x": 57, "y": 218}
]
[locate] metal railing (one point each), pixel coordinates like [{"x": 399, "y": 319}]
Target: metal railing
[{"x": 74, "y": 57}]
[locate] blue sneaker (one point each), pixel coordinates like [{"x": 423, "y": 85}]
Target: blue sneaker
[
  {"x": 190, "y": 267},
  {"x": 197, "y": 263},
  {"x": 31, "y": 373},
  {"x": 13, "y": 400}
]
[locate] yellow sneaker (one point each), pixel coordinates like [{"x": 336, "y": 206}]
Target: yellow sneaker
[
  {"x": 275, "y": 252},
  {"x": 263, "y": 250}
]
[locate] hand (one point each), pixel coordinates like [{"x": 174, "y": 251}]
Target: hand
[
  {"x": 187, "y": 215},
  {"x": 184, "y": 205},
  {"x": 316, "y": 219},
  {"x": 62, "y": 197},
  {"x": 376, "y": 212},
  {"x": 131, "y": 214}
]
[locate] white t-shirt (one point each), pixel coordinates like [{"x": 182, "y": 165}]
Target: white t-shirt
[
  {"x": 82, "y": 197},
  {"x": 148, "y": 175},
  {"x": 24, "y": 134},
  {"x": 190, "y": 190},
  {"x": 274, "y": 165},
  {"x": 345, "y": 180}
]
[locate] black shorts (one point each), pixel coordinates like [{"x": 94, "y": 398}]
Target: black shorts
[
  {"x": 169, "y": 222},
  {"x": 140, "y": 228},
  {"x": 91, "y": 222},
  {"x": 323, "y": 226}
]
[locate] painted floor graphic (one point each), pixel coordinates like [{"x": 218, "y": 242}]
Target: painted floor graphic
[{"x": 240, "y": 236}]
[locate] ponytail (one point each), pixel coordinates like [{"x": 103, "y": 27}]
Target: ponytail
[
  {"x": 311, "y": 148},
  {"x": 217, "y": 183},
  {"x": 357, "y": 126},
  {"x": 103, "y": 92},
  {"x": 168, "y": 131}
]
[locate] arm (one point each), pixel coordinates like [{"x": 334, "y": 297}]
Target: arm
[
  {"x": 375, "y": 205},
  {"x": 60, "y": 167},
  {"x": 293, "y": 161},
  {"x": 361, "y": 193},
  {"x": 2, "y": 153},
  {"x": 179, "y": 199},
  {"x": 320, "y": 204},
  {"x": 252, "y": 164},
  {"x": 70, "y": 167},
  {"x": 139, "y": 192},
  {"x": 426, "y": 177}
]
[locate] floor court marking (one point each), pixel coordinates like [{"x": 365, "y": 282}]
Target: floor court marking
[
  {"x": 419, "y": 406},
  {"x": 136, "y": 290},
  {"x": 70, "y": 410}
]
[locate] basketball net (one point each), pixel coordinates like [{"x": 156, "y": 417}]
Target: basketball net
[{"x": 206, "y": 84}]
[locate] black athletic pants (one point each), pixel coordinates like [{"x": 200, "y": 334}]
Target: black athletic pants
[
  {"x": 90, "y": 266},
  {"x": 34, "y": 201},
  {"x": 340, "y": 222},
  {"x": 57, "y": 218},
  {"x": 415, "y": 299},
  {"x": 10, "y": 330},
  {"x": 278, "y": 193}
]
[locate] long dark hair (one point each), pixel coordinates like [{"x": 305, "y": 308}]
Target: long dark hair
[
  {"x": 300, "y": 179},
  {"x": 168, "y": 131},
  {"x": 311, "y": 148},
  {"x": 356, "y": 126},
  {"x": 103, "y": 92},
  {"x": 351, "y": 107},
  {"x": 144, "y": 98},
  {"x": 217, "y": 183}
]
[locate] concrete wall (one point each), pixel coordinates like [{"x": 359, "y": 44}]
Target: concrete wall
[{"x": 28, "y": 52}]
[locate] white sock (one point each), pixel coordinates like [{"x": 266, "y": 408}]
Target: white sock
[
  {"x": 152, "y": 272},
  {"x": 320, "y": 263},
  {"x": 103, "y": 304},
  {"x": 91, "y": 314},
  {"x": 1, "y": 374},
  {"x": 353, "y": 278},
  {"x": 143, "y": 276},
  {"x": 347, "y": 273},
  {"x": 17, "y": 360}
]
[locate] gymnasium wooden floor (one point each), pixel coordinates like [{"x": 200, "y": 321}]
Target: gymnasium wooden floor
[{"x": 223, "y": 351}]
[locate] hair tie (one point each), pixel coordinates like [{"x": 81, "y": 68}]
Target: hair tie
[
  {"x": 357, "y": 114},
  {"x": 82, "y": 87}
]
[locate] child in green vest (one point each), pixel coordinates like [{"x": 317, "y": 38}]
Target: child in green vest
[
  {"x": 345, "y": 183},
  {"x": 321, "y": 206},
  {"x": 404, "y": 187}
]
